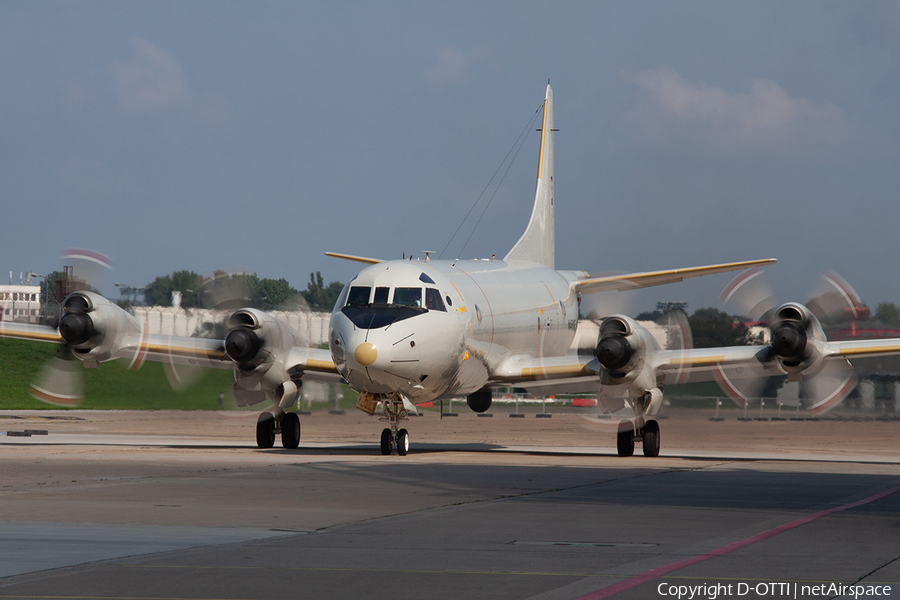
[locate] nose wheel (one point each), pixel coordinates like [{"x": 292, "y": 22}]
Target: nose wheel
[
  {"x": 389, "y": 440},
  {"x": 394, "y": 413}
]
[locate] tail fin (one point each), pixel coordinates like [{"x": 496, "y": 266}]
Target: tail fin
[{"x": 538, "y": 242}]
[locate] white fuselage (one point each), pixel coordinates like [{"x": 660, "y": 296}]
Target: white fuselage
[{"x": 387, "y": 338}]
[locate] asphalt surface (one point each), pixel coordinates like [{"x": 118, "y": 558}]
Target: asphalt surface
[{"x": 182, "y": 505}]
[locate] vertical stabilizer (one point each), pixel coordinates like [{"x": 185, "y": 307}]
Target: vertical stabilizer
[{"x": 538, "y": 242}]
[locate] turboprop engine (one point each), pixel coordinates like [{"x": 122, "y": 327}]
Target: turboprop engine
[
  {"x": 622, "y": 350},
  {"x": 795, "y": 333},
  {"x": 260, "y": 345},
  {"x": 95, "y": 329}
]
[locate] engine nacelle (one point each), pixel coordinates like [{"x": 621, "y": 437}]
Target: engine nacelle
[
  {"x": 260, "y": 345},
  {"x": 795, "y": 334},
  {"x": 622, "y": 349},
  {"x": 96, "y": 329}
]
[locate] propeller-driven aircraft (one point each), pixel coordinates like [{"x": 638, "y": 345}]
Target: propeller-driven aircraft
[{"x": 405, "y": 332}]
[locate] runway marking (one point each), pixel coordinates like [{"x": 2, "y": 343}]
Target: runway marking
[{"x": 660, "y": 571}]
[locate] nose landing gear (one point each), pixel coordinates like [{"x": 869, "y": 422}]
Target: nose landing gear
[{"x": 394, "y": 413}]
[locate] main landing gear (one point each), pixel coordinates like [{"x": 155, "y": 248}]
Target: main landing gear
[
  {"x": 271, "y": 424},
  {"x": 648, "y": 435},
  {"x": 394, "y": 413},
  {"x": 641, "y": 429}
]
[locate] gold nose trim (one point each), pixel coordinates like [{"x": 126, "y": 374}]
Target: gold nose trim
[{"x": 365, "y": 354}]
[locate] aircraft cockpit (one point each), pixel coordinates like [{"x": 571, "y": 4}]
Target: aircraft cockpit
[{"x": 375, "y": 306}]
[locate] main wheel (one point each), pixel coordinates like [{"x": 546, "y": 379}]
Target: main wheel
[
  {"x": 651, "y": 438},
  {"x": 386, "y": 441},
  {"x": 290, "y": 431},
  {"x": 625, "y": 439},
  {"x": 265, "y": 430},
  {"x": 402, "y": 442}
]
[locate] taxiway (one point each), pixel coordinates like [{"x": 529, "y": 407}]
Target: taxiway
[{"x": 182, "y": 505}]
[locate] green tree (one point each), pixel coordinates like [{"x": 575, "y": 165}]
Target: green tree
[
  {"x": 275, "y": 293},
  {"x": 229, "y": 290},
  {"x": 888, "y": 313},
  {"x": 711, "y": 328},
  {"x": 159, "y": 291},
  {"x": 318, "y": 295}
]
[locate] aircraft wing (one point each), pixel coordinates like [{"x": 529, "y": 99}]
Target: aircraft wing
[
  {"x": 634, "y": 281},
  {"x": 177, "y": 350},
  {"x": 524, "y": 371},
  {"x": 314, "y": 363},
  {"x": 29, "y": 331},
  {"x": 579, "y": 373},
  {"x": 863, "y": 348},
  {"x": 575, "y": 373}
]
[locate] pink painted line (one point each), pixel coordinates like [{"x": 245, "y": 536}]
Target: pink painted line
[{"x": 660, "y": 571}]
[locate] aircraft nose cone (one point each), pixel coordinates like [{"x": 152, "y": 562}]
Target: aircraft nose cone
[{"x": 365, "y": 354}]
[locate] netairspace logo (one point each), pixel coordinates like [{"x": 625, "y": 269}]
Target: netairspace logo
[{"x": 785, "y": 589}]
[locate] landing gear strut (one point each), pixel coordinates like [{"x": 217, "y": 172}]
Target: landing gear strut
[
  {"x": 269, "y": 425},
  {"x": 394, "y": 413}
]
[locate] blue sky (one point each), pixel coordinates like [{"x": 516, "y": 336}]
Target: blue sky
[{"x": 260, "y": 135}]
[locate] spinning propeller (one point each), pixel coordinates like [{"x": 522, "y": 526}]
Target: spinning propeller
[
  {"x": 796, "y": 345},
  {"x": 60, "y": 381}
]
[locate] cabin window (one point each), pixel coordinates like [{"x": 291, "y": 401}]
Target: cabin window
[
  {"x": 449, "y": 301},
  {"x": 408, "y": 296},
  {"x": 359, "y": 296},
  {"x": 433, "y": 300},
  {"x": 381, "y": 295}
]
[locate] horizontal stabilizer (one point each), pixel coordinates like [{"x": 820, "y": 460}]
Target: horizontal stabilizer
[{"x": 362, "y": 259}]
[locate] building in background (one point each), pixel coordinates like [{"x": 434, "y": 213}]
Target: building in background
[{"x": 20, "y": 303}]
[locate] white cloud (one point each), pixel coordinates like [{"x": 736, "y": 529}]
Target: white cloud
[
  {"x": 766, "y": 117},
  {"x": 152, "y": 80}
]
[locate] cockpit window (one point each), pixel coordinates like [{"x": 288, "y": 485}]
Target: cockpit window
[
  {"x": 359, "y": 296},
  {"x": 433, "y": 300},
  {"x": 381, "y": 295},
  {"x": 424, "y": 278},
  {"x": 342, "y": 299},
  {"x": 408, "y": 296}
]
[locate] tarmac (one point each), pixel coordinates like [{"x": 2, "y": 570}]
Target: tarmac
[{"x": 141, "y": 505}]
